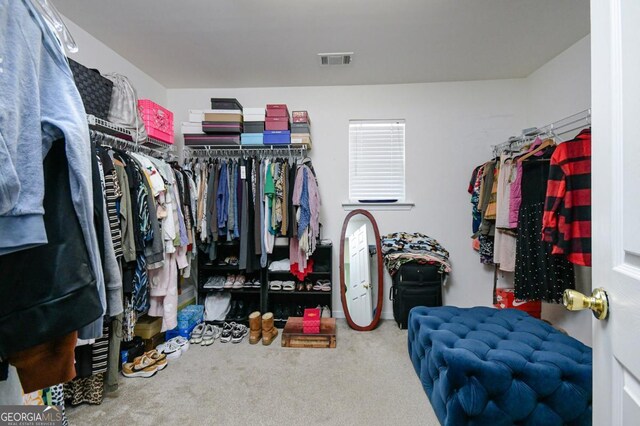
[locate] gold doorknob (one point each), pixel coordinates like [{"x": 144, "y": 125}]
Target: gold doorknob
[{"x": 598, "y": 302}]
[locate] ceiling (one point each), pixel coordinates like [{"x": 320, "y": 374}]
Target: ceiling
[{"x": 265, "y": 43}]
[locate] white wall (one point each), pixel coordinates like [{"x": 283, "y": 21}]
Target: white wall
[
  {"x": 450, "y": 127},
  {"x": 560, "y": 88},
  {"x": 95, "y": 54}
]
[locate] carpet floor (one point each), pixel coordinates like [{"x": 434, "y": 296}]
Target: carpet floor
[{"x": 368, "y": 379}]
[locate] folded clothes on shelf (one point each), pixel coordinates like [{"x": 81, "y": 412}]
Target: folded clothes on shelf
[{"x": 280, "y": 265}]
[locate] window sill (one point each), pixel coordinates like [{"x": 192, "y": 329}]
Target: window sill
[{"x": 378, "y": 206}]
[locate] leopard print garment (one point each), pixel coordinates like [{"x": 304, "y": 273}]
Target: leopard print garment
[{"x": 88, "y": 390}]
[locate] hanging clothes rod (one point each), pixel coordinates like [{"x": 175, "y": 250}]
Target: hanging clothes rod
[
  {"x": 101, "y": 138},
  {"x": 566, "y": 125},
  {"x": 241, "y": 151},
  {"x": 124, "y": 137}
]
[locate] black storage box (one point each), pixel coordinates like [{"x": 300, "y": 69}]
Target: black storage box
[
  {"x": 95, "y": 90},
  {"x": 415, "y": 285},
  {"x": 300, "y": 128},
  {"x": 225, "y": 103},
  {"x": 254, "y": 126},
  {"x": 221, "y": 127}
]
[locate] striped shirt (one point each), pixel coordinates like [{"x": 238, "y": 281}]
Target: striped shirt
[{"x": 567, "y": 212}]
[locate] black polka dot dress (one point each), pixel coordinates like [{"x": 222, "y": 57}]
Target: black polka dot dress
[{"x": 539, "y": 275}]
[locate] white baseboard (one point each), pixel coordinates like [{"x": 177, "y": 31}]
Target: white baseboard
[{"x": 385, "y": 315}]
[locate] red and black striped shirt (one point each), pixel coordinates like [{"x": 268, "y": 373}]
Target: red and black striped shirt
[{"x": 567, "y": 211}]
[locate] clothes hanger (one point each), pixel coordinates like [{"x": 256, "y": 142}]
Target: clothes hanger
[
  {"x": 49, "y": 12},
  {"x": 545, "y": 144}
]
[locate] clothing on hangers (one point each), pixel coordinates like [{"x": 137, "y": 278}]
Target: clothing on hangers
[{"x": 567, "y": 211}]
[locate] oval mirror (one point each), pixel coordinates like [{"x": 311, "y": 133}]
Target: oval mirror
[{"x": 361, "y": 280}]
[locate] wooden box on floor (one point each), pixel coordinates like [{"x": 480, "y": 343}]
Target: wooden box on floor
[
  {"x": 293, "y": 336},
  {"x": 154, "y": 341}
]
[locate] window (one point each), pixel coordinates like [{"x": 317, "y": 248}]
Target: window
[{"x": 376, "y": 161}]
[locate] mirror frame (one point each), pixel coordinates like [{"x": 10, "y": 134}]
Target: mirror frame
[{"x": 343, "y": 285}]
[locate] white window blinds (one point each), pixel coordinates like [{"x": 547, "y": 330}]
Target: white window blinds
[{"x": 376, "y": 160}]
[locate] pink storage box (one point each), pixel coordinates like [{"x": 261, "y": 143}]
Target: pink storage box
[
  {"x": 277, "y": 110},
  {"x": 276, "y": 123},
  {"x": 300, "y": 117},
  {"x": 157, "y": 120}
]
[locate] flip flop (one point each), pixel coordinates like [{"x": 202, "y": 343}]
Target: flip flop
[
  {"x": 325, "y": 285},
  {"x": 275, "y": 285},
  {"x": 288, "y": 286}
]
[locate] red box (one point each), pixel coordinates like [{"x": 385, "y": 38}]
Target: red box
[
  {"x": 311, "y": 318},
  {"x": 276, "y": 123},
  {"x": 157, "y": 120},
  {"x": 505, "y": 298},
  {"x": 300, "y": 117},
  {"x": 277, "y": 110}
]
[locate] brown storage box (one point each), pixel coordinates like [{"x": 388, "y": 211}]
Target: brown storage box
[
  {"x": 147, "y": 327},
  {"x": 300, "y": 138},
  {"x": 227, "y": 118},
  {"x": 150, "y": 344}
]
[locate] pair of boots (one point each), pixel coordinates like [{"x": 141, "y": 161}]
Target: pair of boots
[{"x": 261, "y": 326}]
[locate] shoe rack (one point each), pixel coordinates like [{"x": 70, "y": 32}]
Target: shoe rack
[
  {"x": 250, "y": 297},
  {"x": 285, "y": 303}
]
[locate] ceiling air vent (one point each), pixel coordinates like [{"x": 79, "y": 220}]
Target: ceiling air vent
[{"x": 331, "y": 59}]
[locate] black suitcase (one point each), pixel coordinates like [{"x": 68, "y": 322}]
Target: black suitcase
[{"x": 415, "y": 285}]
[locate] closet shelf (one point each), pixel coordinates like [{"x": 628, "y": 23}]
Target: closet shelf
[
  {"x": 126, "y": 134},
  {"x": 312, "y": 274},
  {"x": 301, "y": 293},
  {"x": 231, "y": 290},
  {"x": 221, "y": 268}
]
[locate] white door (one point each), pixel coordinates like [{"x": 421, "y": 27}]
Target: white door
[
  {"x": 359, "y": 294},
  {"x": 615, "y": 77}
]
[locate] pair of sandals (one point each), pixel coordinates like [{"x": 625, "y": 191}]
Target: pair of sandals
[
  {"x": 233, "y": 332},
  {"x": 231, "y": 260},
  {"x": 205, "y": 334},
  {"x": 235, "y": 281},
  {"x": 146, "y": 365},
  {"x": 322, "y": 285},
  {"x": 304, "y": 286},
  {"x": 282, "y": 285}
]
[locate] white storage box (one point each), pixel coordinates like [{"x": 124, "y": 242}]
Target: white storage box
[
  {"x": 254, "y": 117},
  {"x": 191, "y": 128},
  {"x": 254, "y": 111}
]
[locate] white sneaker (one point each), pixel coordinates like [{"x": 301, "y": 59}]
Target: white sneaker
[
  {"x": 238, "y": 333},
  {"x": 170, "y": 348},
  {"x": 227, "y": 330},
  {"x": 326, "y": 312},
  {"x": 211, "y": 333},
  {"x": 182, "y": 342},
  {"x": 197, "y": 333}
]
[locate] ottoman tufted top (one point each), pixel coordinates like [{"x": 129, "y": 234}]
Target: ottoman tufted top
[{"x": 490, "y": 366}]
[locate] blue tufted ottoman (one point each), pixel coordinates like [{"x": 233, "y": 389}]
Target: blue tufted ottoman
[{"x": 485, "y": 366}]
